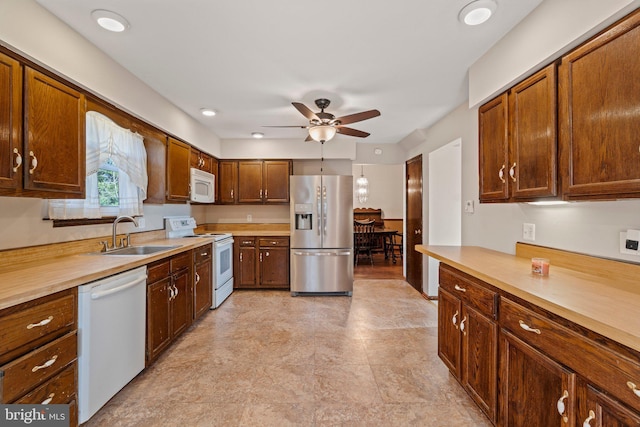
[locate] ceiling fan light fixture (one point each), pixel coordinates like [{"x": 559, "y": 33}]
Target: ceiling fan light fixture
[
  {"x": 477, "y": 12},
  {"x": 110, "y": 21},
  {"x": 322, "y": 133}
]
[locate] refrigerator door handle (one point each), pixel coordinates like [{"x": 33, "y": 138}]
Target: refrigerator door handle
[
  {"x": 341, "y": 253},
  {"x": 324, "y": 210},
  {"x": 319, "y": 209}
]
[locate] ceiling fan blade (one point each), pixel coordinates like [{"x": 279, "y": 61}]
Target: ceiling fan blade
[
  {"x": 308, "y": 138},
  {"x": 352, "y": 132},
  {"x": 299, "y": 127},
  {"x": 358, "y": 117},
  {"x": 305, "y": 111}
]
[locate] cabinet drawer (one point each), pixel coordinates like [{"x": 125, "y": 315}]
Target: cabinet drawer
[
  {"x": 33, "y": 368},
  {"x": 36, "y": 323},
  {"x": 202, "y": 254},
  {"x": 247, "y": 241},
  {"x": 603, "y": 367},
  {"x": 483, "y": 299},
  {"x": 58, "y": 390},
  {"x": 157, "y": 271},
  {"x": 181, "y": 261},
  {"x": 267, "y": 242}
]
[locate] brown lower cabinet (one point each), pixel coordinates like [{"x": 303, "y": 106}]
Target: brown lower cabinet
[
  {"x": 549, "y": 371},
  {"x": 169, "y": 302},
  {"x": 261, "y": 262},
  {"x": 202, "y": 290}
]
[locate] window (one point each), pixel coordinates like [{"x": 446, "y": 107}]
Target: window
[{"x": 116, "y": 182}]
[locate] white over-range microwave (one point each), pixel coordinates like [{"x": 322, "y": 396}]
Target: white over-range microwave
[{"x": 203, "y": 186}]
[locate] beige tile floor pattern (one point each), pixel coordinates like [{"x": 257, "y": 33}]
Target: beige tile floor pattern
[{"x": 265, "y": 358}]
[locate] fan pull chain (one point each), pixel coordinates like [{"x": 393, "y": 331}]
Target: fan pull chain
[{"x": 321, "y": 157}]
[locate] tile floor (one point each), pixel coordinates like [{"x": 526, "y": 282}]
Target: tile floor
[{"x": 265, "y": 358}]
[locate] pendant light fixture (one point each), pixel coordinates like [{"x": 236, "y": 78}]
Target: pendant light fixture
[{"x": 363, "y": 186}]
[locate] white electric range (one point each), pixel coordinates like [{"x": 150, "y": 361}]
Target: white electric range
[{"x": 222, "y": 259}]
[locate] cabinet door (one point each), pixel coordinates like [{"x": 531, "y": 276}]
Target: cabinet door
[
  {"x": 449, "y": 344},
  {"x": 54, "y": 133},
  {"x": 202, "y": 291},
  {"x": 195, "y": 159},
  {"x": 480, "y": 359},
  {"x": 245, "y": 271},
  {"x": 158, "y": 318},
  {"x": 531, "y": 386},
  {"x": 177, "y": 170},
  {"x": 181, "y": 314},
  {"x": 227, "y": 182},
  {"x": 11, "y": 154},
  {"x": 598, "y": 93},
  {"x": 250, "y": 188},
  {"x": 207, "y": 162},
  {"x": 276, "y": 181},
  {"x": 155, "y": 143},
  {"x": 274, "y": 267},
  {"x": 494, "y": 145},
  {"x": 533, "y": 143},
  {"x": 598, "y": 410}
]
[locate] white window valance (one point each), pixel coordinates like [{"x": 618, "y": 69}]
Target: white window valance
[{"x": 105, "y": 140}]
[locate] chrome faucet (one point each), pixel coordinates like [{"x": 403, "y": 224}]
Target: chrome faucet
[{"x": 125, "y": 241}]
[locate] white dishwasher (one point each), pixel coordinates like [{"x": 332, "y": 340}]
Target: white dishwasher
[{"x": 111, "y": 337}]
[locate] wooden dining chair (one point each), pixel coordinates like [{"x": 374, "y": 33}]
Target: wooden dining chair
[
  {"x": 395, "y": 244},
  {"x": 363, "y": 239}
]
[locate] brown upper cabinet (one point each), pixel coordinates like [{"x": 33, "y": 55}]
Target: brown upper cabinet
[
  {"x": 178, "y": 154},
  {"x": 200, "y": 160},
  {"x": 46, "y": 157},
  {"x": 261, "y": 182},
  {"x": 518, "y": 143},
  {"x": 599, "y": 94},
  {"x": 227, "y": 182}
]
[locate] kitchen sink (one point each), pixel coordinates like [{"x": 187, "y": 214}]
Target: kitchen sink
[{"x": 139, "y": 250}]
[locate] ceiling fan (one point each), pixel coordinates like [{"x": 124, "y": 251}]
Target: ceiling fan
[{"x": 324, "y": 126}]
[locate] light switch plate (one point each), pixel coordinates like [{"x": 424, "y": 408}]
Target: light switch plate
[
  {"x": 529, "y": 231},
  {"x": 249, "y": 218},
  {"x": 468, "y": 206}
]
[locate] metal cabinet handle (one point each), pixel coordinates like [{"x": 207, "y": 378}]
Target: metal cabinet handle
[
  {"x": 197, "y": 278},
  {"x": 512, "y": 172},
  {"x": 587, "y": 422},
  {"x": 528, "y": 328},
  {"x": 501, "y": 174},
  {"x": 205, "y": 253},
  {"x": 464, "y": 319},
  {"x": 34, "y": 162},
  {"x": 240, "y": 256},
  {"x": 232, "y": 193},
  {"x": 561, "y": 407},
  {"x": 41, "y": 323},
  {"x": 48, "y": 399},
  {"x": 274, "y": 243},
  {"x": 633, "y": 388},
  {"x": 266, "y": 193},
  {"x": 266, "y": 253},
  {"x": 454, "y": 319},
  {"x": 260, "y": 256},
  {"x": 18, "y": 160},
  {"x": 260, "y": 193},
  {"x": 459, "y": 288},
  {"x": 171, "y": 295},
  {"x": 177, "y": 291},
  {"x": 45, "y": 364}
]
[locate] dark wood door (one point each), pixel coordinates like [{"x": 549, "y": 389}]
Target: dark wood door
[
  {"x": 11, "y": 154},
  {"x": 493, "y": 128},
  {"x": 202, "y": 290},
  {"x": 531, "y": 385},
  {"x": 276, "y": 181},
  {"x": 54, "y": 133},
  {"x": 449, "y": 341},
  {"x": 414, "y": 221},
  {"x": 596, "y": 409},
  {"x": 250, "y": 188},
  {"x": 245, "y": 263},
  {"x": 178, "y": 173},
  {"x": 533, "y": 142},
  {"x": 274, "y": 267},
  {"x": 598, "y": 93},
  {"x": 158, "y": 317},
  {"x": 181, "y": 312},
  {"x": 227, "y": 182},
  {"x": 480, "y": 359}
]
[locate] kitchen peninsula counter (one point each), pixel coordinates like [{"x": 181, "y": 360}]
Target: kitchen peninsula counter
[{"x": 602, "y": 301}]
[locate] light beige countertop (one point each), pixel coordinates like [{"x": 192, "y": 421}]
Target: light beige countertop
[
  {"x": 36, "y": 279},
  {"x": 251, "y": 229},
  {"x": 609, "y": 306}
]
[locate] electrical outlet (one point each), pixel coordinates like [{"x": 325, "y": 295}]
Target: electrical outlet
[
  {"x": 529, "y": 231},
  {"x": 627, "y": 245},
  {"x": 141, "y": 222},
  {"x": 468, "y": 206},
  {"x": 249, "y": 218}
]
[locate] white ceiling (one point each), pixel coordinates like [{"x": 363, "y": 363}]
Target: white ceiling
[{"x": 249, "y": 59}]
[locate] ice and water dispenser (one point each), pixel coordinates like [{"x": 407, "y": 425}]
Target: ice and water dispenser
[{"x": 303, "y": 216}]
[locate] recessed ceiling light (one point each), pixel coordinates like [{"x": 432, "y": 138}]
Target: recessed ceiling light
[
  {"x": 477, "y": 12},
  {"x": 257, "y": 135},
  {"x": 110, "y": 20},
  {"x": 377, "y": 151},
  {"x": 207, "y": 112}
]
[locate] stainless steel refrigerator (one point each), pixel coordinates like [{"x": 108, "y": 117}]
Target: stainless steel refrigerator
[{"x": 321, "y": 234}]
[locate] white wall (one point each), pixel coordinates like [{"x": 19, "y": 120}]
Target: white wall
[
  {"x": 386, "y": 188},
  {"x": 338, "y": 148}
]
